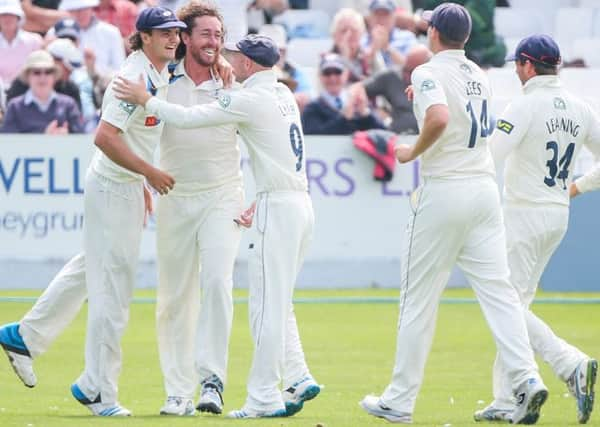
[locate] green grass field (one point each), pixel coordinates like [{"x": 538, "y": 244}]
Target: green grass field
[{"x": 349, "y": 347}]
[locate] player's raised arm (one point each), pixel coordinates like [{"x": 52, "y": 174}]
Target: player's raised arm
[{"x": 219, "y": 112}]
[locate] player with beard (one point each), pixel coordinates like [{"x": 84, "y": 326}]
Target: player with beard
[{"x": 197, "y": 239}]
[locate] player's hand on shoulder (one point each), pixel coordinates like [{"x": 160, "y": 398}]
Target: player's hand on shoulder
[
  {"x": 131, "y": 91},
  {"x": 404, "y": 153},
  {"x": 160, "y": 181},
  {"x": 225, "y": 71}
]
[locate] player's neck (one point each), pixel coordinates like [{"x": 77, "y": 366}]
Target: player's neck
[
  {"x": 197, "y": 72},
  {"x": 158, "y": 63}
]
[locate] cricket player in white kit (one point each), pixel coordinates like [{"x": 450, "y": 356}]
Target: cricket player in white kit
[
  {"x": 267, "y": 117},
  {"x": 539, "y": 135},
  {"x": 456, "y": 220},
  {"x": 197, "y": 239},
  {"x": 115, "y": 203}
]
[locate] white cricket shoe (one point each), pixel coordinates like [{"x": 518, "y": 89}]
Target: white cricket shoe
[
  {"x": 530, "y": 397},
  {"x": 491, "y": 413},
  {"x": 211, "y": 397},
  {"x": 581, "y": 385},
  {"x": 300, "y": 392},
  {"x": 248, "y": 413},
  {"x": 17, "y": 353},
  {"x": 178, "y": 406},
  {"x": 374, "y": 406},
  {"x": 98, "y": 408}
]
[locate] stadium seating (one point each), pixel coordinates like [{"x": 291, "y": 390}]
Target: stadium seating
[
  {"x": 307, "y": 52},
  {"x": 519, "y": 23},
  {"x": 307, "y": 23},
  {"x": 504, "y": 82},
  {"x": 328, "y": 6},
  {"x": 572, "y": 23},
  {"x": 587, "y": 49}
]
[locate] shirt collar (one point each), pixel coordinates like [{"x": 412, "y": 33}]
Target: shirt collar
[
  {"x": 30, "y": 98},
  {"x": 158, "y": 79},
  {"x": 541, "y": 81},
  {"x": 330, "y": 99},
  {"x": 261, "y": 78},
  {"x": 19, "y": 37},
  {"x": 215, "y": 83},
  {"x": 449, "y": 54}
]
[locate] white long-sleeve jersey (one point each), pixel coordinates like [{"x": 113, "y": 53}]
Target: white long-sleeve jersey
[{"x": 540, "y": 134}]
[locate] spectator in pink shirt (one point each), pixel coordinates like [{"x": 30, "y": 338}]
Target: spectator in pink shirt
[{"x": 15, "y": 44}]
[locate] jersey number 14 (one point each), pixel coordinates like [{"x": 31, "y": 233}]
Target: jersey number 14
[{"x": 475, "y": 124}]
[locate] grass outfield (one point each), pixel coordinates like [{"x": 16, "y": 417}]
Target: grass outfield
[{"x": 349, "y": 348}]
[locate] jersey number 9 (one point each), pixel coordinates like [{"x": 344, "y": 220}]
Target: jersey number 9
[{"x": 297, "y": 145}]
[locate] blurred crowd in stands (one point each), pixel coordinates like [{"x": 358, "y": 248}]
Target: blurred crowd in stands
[{"x": 58, "y": 56}]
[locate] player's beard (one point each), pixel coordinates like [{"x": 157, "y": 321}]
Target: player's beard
[{"x": 200, "y": 58}]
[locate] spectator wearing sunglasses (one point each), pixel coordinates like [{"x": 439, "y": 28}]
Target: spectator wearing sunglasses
[
  {"x": 339, "y": 109},
  {"x": 41, "y": 109}
]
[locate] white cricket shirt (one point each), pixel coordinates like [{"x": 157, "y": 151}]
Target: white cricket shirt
[
  {"x": 449, "y": 78},
  {"x": 203, "y": 158},
  {"x": 540, "y": 134},
  {"x": 268, "y": 120},
  {"x": 141, "y": 130}
]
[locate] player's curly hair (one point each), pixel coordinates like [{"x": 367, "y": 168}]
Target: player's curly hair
[
  {"x": 188, "y": 14},
  {"x": 135, "y": 40}
]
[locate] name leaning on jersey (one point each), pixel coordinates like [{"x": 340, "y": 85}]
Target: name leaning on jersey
[{"x": 562, "y": 124}]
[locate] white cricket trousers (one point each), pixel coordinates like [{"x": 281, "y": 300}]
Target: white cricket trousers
[
  {"x": 533, "y": 232},
  {"x": 197, "y": 242},
  {"x": 455, "y": 221},
  {"x": 282, "y": 232},
  {"x": 56, "y": 308},
  {"x": 114, "y": 216}
]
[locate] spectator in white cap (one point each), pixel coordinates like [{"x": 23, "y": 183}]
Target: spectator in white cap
[
  {"x": 41, "y": 109},
  {"x": 15, "y": 43},
  {"x": 69, "y": 61},
  {"x": 101, "y": 38}
]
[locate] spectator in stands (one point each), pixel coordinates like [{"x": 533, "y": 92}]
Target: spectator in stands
[
  {"x": 102, "y": 38},
  {"x": 41, "y": 109},
  {"x": 484, "y": 47},
  {"x": 41, "y": 15},
  {"x": 69, "y": 61},
  {"x": 288, "y": 73},
  {"x": 347, "y": 30},
  {"x": 68, "y": 28},
  {"x": 391, "y": 84},
  {"x": 337, "y": 111},
  {"x": 120, "y": 13},
  {"x": 20, "y": 86},
  {"x": 15, "y": 43},
  {"x": 2, "y": 100},
  {"x": 384, "y": 39}
]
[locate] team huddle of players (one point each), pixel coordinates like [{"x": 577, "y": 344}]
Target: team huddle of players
[{"x": 184, "y": 105}]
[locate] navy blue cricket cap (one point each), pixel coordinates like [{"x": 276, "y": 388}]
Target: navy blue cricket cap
[
  {"x": 157, "y": 18},
  {"x": 261, "y": 49},
  {"x": 67, "y": 28},
  {"x": 450, "y": 19},
  {"x": 538, "y": 48},
  {"x": 388, "y": 5}
]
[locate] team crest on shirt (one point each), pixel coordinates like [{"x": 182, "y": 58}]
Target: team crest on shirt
[
  {"x": 466, "y": 68},
  {"x": 504, "y": 126},
  {"x": 427, "y": 85},
  {"x": 560, "y": 104},
  {"x": 127, "y": 107},
  {"x": 224, "y": 99}
]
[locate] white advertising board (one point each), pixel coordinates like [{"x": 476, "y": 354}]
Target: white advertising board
[{"x": 359, "y": 221}]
